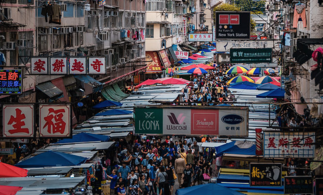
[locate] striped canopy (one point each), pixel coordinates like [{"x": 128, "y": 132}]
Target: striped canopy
[
  {"x": 254, "y": 71},
  {"x": 198, "y": 71},
  {"x": 269, "y": 71},
  {"x": 239, "y": 79},
  {"x": 265, "y": 79},
  {"x": 236, "y": 70}
]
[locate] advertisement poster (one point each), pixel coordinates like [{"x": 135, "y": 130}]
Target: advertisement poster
[
  {"x": 298, "y": 185},
  {"x": 176, "y": 121},
  {"x": 153, "y": 63},
  {"x": 262, "y": 174},
  {"x": 232, "y": 25},
  {"x": 11, "y": 81},
  {"x": 199, "y": 37},
  {"x": 164, "y": 58},
  {"x": 149, "y": 121}
]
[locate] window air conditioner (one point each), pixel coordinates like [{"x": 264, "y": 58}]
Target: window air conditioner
[
  {"x": 10, "y": 45},
  {"x": 111, "y": 51},
  {"x": 122, "y": 60}
]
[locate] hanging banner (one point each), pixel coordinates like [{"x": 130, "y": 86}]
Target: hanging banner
[
  {"x": 298, "y": 185},
  {"x": 11, "y": 81},
  {"x": 289, "y": 144},
  {"x": 199, "y": 37},
  {"x": 232, "y": 25},
  {"x": 262, "y": 174},
  {"x": 18, "y": 120},
  {"x": 153, "y": 63},
  {"x": 184, "y": 25},
  {"x": 181, "y": 54},
  {"x": 58, "y": 66},
  {"x": 188, "y": 121},
  {"x": 55, "y": 120},
  {"x": 164, "y": 58},
  {"x": 251, "y": 55}
]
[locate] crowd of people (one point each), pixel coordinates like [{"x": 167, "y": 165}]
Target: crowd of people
[
  {"x": 210, "y": 88},
  {"x": 151, "y": 165}
]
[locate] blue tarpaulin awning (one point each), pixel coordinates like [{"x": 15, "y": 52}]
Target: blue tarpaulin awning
[
  {"x": 276, "y": 93},
  {"x": 52, "y": 159},
  {"x": 186, "y": 61},
  {"x": 114, "y": 112},
  {"x": 106, "y": 103},
  {"x": 207, "y": 189},
  {"x": 85, "y": 137},
  {"x": 267, "y": 86},
  {"x": 236, "y": 147},
  {"x": 244, "y": 85}
]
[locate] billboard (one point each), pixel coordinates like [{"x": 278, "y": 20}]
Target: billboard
[
  {"x": 263, "y": 174},
  {"x": 11, "y": 81},
  {"x": 227, "y": 45},
  {"x": 251, "y": 55},
  {"x": 232, "y": 25},
  {"x": 223, "y": 121},
  {"x": 200, "y": 37},
  {"x": 289, "y": 144},
  {"x": 298, "y": 185}
]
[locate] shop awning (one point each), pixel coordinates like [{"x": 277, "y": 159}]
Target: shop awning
[
  {"x": 172, "y": 54},
  {"x": 189, "y": 47},
  {"x": 59, "y": 83},
  {"x": 49, "y": 89},
  {"x": 89, "y": 84}
]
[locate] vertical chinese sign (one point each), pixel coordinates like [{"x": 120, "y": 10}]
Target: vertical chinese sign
[
  {"x": 262, "y": 174},
  {"x": 77, "y": 65},
  {"x": 11, "y": 81},
  {"x": 39, "y": 65},
  {"x": 55, "y": 120},
  {"x": 164, "y": 58},
  {"x": 58, "y": 66},
  {"x": 18, "y": 120},
  {"x": 289, "y": 144},
  {"x": 97, "y": 65}
]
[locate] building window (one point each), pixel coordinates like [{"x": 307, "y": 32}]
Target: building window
[
  {"x": 42, "y": 42},
  {"x": 107, "y": 22},
  {"x": 26, "y": 45},
  {"x": 120, "y": 19},
  {"x": 143, "y": 19},
  {"x": 69, "y": 13},
  {"x": 155, "y": 5},
  {"x": 79, "y": 39},
  {"x": 56, "y": 41},
  {"x": 13, "y": 59},
  {"x": 162, "y": 30},
  {"x": 114, "y": 21},
  {"x": 80, "y": 11},
  {"x": 127, "y": 19},
  {"x": 121, "y": 52},
  {"x": 150, "y": 31},
  {"x": 170, "y": 6}
]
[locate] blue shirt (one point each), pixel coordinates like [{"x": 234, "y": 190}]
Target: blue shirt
[
  {"x": 113, "y": 181},
  {"x": 124, "y": 172},
  {"x": 144, "y": 162},
  {"x": 121, "y": 190}
]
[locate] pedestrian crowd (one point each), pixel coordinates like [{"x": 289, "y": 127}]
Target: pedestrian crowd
[{"x": 150, "y": 165}]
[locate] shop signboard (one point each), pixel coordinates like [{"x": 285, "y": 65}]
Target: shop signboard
[
  {"x": 193, "y": 121},
  {"x": 222, "y": 58},
  {"x": 265, "y": 174},
  {"x": 6, "y": 151},
  {"x": 67, "y": 65},
  {"x": 164, "y": 58},
  {"x": 232, "y": 25},
  {"x": 153, "y": 63},
  {"x": 289, "y": 144},
  {"x": 298, "y": 185},
  {"x": 11, "y": 81},
  {"x": 55, "y": 120},
  {"x": 199, "y": 37},
  {"x": 251, "y": 55},
  {"x": 181, "y": 54},
  {"x": 319, "y": 186},
  {"x": 149, "y": 121},
  {"x": 227, "y": 45},
  {"x": 18, "y": 120}
]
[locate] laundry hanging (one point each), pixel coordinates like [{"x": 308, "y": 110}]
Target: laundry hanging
[
  {"x": 299, "y": 14},
  {"x": 2, "y": 59}
]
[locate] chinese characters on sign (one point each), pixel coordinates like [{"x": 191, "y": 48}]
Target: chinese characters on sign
[
  {"x": 10, "y": 81},
  {"x": 39, "y": 66},
  {"x": 265, "y": 174},
  {"x": 164, "y": 58},
  {"x": 97, "y": 65},
  {"x": 18, "y": 120},
  {"x": 199, "y": 37},
  {"x": 251, "y": 55},
  {"x": 289, "y": 144},
  {"x": 298, "y": 185},
  {"x": 181, "y": 54},
  {"x": 58, "y": 66},
  {"x": 153, "y": 63},
  {"x": 319, "y": 186},
  {"x": 77, "y": 66},
  {"x": 55, "y": 121},
  {"x": 232, "y": 25}
]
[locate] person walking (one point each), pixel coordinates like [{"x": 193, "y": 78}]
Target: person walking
[
  {"x": 190, "y": 158},
  {"x": 179, "y": 169}
]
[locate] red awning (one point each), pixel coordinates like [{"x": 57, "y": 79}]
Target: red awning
[
  {"x": 9, "y": 190},
  {"x": 11, "y": 171}
]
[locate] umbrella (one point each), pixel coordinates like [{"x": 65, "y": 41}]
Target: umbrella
[
  {"x": 113, "y": 112},
  {"x": 276, "y": 93},
  {"x": 186, "y": 61},
  {"x": 198, "y": 56},
  {"x": 265, "y": 79},
  {"x": 239, "y": 79},
  {"x": 207, "y": 189},
  {"x": 189, "y": 67},
  {"x": 9, "y": 190},
  {"x": 52, "y": 159},
  {"x": 254, "y": 71},
  {"x": 148, "y": 82},
  {"x": 205, "y": 67},
  {"x": 267, "y": 86},
  {"x": 85, "y": 137},
  {"x": 277, "y": 83},
  {"x": 243, "y": 85},
  {"x": 269, "y": 71},
  {"x": 12, "y": 171},
  {"x": 106, "y": 103},
  {"x": 198, "y": 71},
  {"x": 236, "y": 70},
  {"x": 173, "y": 81},
  {"x": 193, "y": 58}
]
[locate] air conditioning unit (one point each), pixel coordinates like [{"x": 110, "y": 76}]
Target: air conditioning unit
[
  {"x": 94, "y": 13},
  {"x": 114, "y": 13},
  {"x": 88, "y": 13},
  {"x": 42, "y": 31},
  {"x": 106, "y": 52},
  {"x": 79, "y": 29},
  {"x": 111, "y": 51},
  {"x": 5, "y": 13},
  {"x": 21, "y": 43},
  {"x": 50, "y": 31},
  {"x": 122, "y": 60},
  {"x": 103, "y": 36},
  {"x": 10, "y": 45},
  {"x": 106, "y": 14},
  {"x": 63, "y": 7},
  {"x": 63, "y": 30},
  {"x": 70, "y": 29}
]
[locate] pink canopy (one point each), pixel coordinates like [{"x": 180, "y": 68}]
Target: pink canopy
[
  {"x": 148, "y": 82},
  {"x": 198, "y": 56},
  {"x": 164, "y": 81},
  {"x": 204, "y": 66}
]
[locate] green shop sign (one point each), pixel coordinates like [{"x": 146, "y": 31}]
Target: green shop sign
[
  {"x": 149, "y": 121},
  {"x": 248, "y": 55}
]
